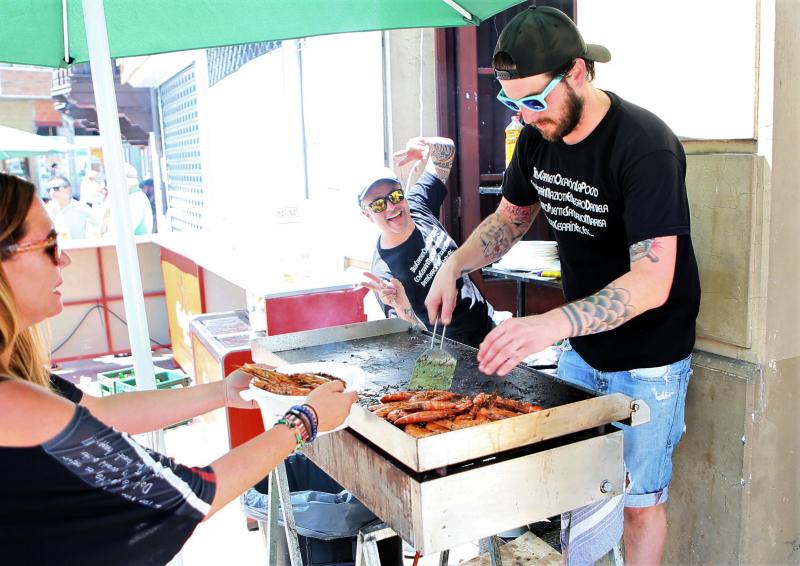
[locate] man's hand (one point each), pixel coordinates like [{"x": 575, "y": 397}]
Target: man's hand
[
  {"x": 443, "y": 293},
  {"x": 516, "y": 339},
  {"x": 417, "y": 149},
  {"x": 393, "y": 294}
]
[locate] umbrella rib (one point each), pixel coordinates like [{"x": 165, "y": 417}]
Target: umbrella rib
[
  {"x": 67, "y": 58},
  {"x": 458, "y": 8}
]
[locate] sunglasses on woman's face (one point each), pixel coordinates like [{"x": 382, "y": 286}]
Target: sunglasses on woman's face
[
  {"x": 49, "y": 245},
  {"x": 379, "y": 204}
]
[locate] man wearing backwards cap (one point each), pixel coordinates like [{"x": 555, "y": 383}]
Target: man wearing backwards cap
[
  {"x": 413, "y": 243},
  {"x": 609, "y": 178}
]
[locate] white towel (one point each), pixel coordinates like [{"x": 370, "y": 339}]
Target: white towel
[{"x": 589, "y": 533}]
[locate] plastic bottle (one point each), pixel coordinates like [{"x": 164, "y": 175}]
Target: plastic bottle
[{"x": 512, "y": 135}]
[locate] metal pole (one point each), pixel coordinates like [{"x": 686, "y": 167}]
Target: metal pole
[
  {"x": 295, "y": 558},
  {"x": 108, "y": 120}
]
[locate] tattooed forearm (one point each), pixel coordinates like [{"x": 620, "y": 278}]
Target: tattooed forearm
[
  {"x": 607, "y": 309},
  {"x": 495, "y": 241},
  {"x": 410, "y": 316},
  {"x": 645, "y": 249},
  {"x": 443, "y": 153},
  {"x": 501, "y": 230}
]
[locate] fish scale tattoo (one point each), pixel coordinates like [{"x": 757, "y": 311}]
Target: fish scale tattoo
[{"x": 607, "y": 309}]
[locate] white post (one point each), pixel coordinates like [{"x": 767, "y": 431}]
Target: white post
[{"x": 108, "y": 120}]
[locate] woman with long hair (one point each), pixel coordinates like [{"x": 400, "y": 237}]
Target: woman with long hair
[{"x": 74, "y": 487}]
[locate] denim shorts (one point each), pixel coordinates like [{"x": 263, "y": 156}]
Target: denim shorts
[{"x": 648, "y": 447}]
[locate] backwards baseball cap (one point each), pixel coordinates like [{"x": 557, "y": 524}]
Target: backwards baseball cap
[
  {"x": 542, "y": 40},
  {"x": 372, "y": 178}
]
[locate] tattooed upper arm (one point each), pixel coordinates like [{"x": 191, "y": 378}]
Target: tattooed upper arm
[
  {"x": 649, "y": 249},
  {"x": 521, "y": 217}
]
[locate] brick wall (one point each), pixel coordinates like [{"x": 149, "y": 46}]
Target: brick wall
[
  {"x": 25, "y": 82},
  {"x": 44, "y": 114}
]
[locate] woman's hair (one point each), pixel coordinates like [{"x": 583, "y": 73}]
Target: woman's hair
[{"x": 21, "y": 352}]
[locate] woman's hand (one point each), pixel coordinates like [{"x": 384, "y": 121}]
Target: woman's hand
[
  {"x": 331, "y": 404},
  {"x": 237, "y": 381}
]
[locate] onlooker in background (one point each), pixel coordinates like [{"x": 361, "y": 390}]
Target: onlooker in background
[
  {"x": 90, "y": 188},
  {"x": 70, "y": 217},
  {"x": 141, "y": 213},
  {"x": 149, "y": 191}
]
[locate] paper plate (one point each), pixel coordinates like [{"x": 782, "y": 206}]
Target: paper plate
[{"x": 274, "y": 406}]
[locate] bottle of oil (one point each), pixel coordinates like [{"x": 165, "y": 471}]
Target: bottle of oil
[{"x": 512, "y": 135}]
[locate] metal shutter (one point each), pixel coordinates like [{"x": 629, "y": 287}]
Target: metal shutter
[{"x": 184, "y": 178}]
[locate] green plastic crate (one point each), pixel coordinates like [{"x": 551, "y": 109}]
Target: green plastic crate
[{"x": 124, "y": 380}]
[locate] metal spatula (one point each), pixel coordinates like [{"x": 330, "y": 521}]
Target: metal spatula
[{"x": 435, "y": 367}]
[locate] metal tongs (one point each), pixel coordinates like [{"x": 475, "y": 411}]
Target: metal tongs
[{"x": 435, "y": 367}]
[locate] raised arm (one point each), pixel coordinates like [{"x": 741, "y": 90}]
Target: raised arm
[
  {"x": 440, "y": 154},
  {"x": 489, "y": 242},
  {"x": 646, "y": 286}
]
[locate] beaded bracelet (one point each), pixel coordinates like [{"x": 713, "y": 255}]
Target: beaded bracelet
[
  {"x": 300, "y": 442},
  {"x": 307, "y": 417},
  {"x": 309, "y": 414},
  {"x": 314, "y": 412},
  {"x": 300, "y": 425},
  {"x": 303, "y": 419}
]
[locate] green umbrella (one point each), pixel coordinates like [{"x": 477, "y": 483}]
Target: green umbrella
[
  {"x": 55, "y": 33},
  {"x": 40, "y": 32},
  {"x": 16, "y": 143}
]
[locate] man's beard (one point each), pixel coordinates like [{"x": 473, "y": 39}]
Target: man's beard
[{"x": 569, "y": 119}]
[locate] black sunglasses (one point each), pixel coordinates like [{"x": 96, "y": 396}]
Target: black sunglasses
[
  {"x": 49, "y": 245},
  {"x": 379, "y": 204}
]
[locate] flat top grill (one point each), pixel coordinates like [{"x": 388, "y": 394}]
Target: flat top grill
[
  {"x": 389, "y": 359},
  {"x": 387, "y": 350},
  {"x": 442, "y": 490}
]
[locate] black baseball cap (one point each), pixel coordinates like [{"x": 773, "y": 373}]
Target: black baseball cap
[{"x": 542, "y": 40}]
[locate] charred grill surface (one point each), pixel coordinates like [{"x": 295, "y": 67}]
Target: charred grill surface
[{"x": 389, "y": 360}]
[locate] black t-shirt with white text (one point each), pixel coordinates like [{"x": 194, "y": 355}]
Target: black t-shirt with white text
[
  {"x": 624, "y": 183},
  {"x": 416, "y": 261}
]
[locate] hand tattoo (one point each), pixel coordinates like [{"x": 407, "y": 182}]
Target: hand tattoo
[
  {"x": 645, "y": 249},
  {"x": 609, "y": 308}
]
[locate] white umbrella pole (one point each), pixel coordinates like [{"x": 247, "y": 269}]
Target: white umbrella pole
[{"x": 108, "y": 120}]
